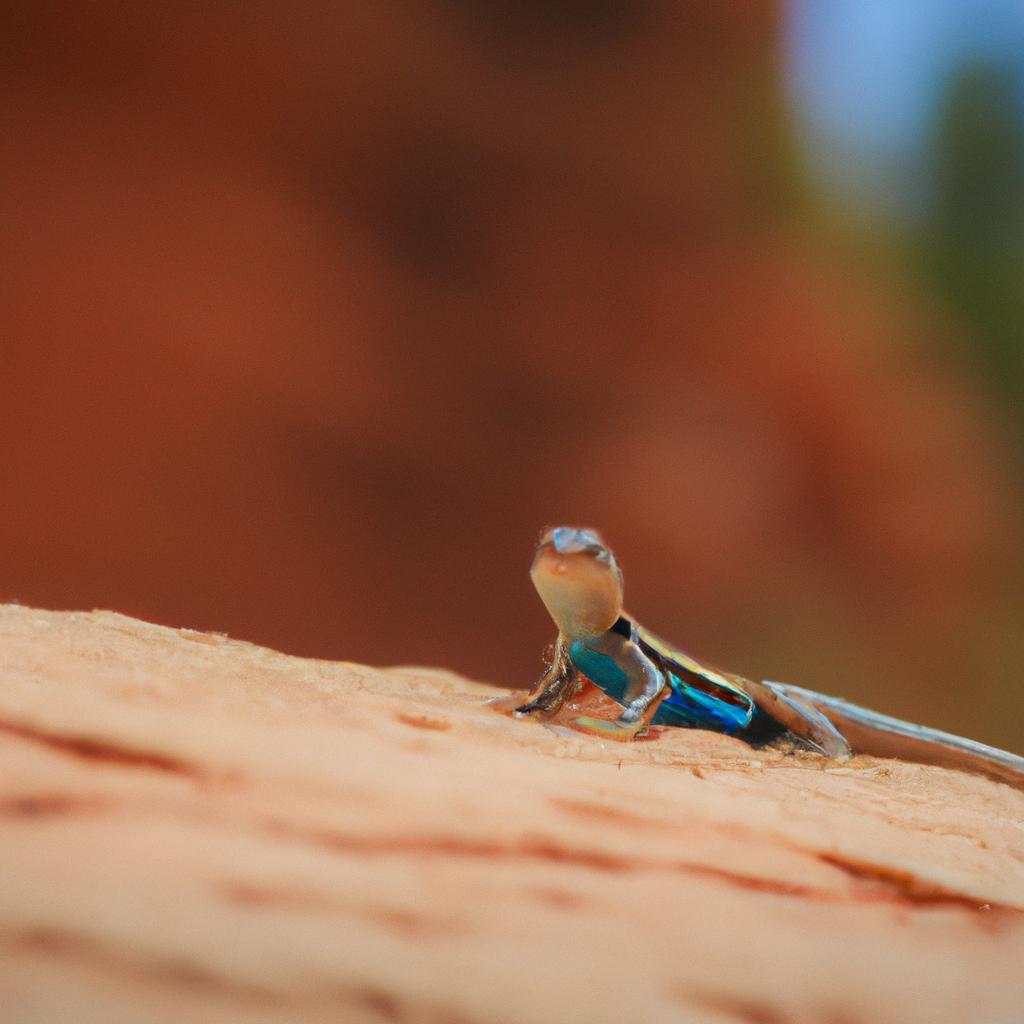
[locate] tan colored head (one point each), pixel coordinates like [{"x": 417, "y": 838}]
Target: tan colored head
[{"x": 578, "y": 580}]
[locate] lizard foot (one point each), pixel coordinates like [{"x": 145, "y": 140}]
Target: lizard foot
[{"x": 506, "y": 705}]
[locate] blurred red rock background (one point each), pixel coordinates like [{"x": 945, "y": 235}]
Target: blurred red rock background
[{"x": 312, "y": 315}]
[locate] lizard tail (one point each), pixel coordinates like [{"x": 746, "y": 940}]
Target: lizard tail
[{"x": 870, "y": 732}]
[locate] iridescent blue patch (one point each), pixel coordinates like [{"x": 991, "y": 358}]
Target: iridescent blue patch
[
  {"x": 694, "y": 709},
  {"x": 600, "y": 669},
  {"x": 685, "y": 706},
  {"x": 568, "y": 540}
]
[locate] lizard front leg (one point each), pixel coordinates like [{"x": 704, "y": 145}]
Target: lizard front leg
[
  {"x": 646, "y": 688},
  {"x": 558, "y": 683}
]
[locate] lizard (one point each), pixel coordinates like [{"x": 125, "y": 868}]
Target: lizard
[{"x": 581, "y": 585}]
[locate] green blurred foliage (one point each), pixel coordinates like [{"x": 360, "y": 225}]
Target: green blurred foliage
[{"x": 972, "y": 238}]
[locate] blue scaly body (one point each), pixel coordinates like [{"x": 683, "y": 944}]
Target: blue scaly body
[{"x": 685, "y": 705}]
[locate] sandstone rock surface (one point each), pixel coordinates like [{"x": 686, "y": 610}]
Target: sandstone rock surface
[{"x": 196, "y": 829}]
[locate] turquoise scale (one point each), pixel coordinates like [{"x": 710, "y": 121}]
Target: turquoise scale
[{"x": 685, "y": 706}]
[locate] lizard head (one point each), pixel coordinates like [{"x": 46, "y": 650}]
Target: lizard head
[{"x": 578, "y": 580}]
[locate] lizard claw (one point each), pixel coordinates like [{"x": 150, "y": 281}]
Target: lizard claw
[
  {"x": 529, "y": 708},
  {"x": 540, "y": 706},
  {"x": 508, "y": 704}
]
